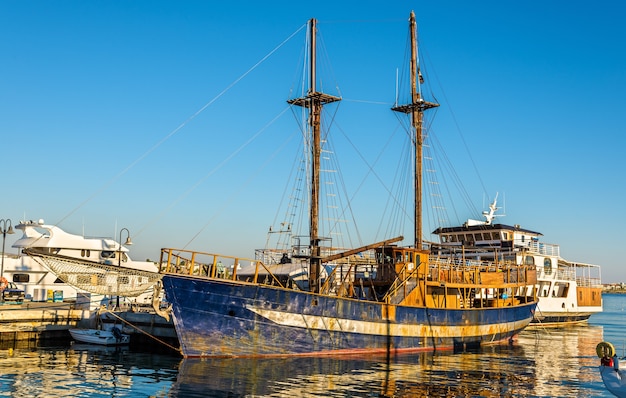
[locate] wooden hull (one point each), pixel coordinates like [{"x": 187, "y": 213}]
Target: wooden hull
[{"x": 226, "y": 318}]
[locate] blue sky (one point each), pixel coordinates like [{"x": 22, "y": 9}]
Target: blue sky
[{"x": 101, "y": 129}]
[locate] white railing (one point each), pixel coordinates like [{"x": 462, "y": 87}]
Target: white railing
[{"x": 547, "y": 249}]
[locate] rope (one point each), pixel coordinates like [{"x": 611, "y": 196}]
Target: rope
[
  {"x": 119, "y": 175},
  {"x": 540, "y": 322}
]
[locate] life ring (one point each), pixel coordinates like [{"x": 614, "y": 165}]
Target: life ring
[
  {"x": 4, "y": 283},
  {"x": 605, "y": 349}
]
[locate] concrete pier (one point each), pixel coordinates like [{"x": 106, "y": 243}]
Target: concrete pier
[
  {"x": 39, "y": 320},
  {"x": 45, "y": 321}
]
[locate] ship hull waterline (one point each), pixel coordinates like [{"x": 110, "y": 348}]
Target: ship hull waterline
[{"x": 219, "y": 318}]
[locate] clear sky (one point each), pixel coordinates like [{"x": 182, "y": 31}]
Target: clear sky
[{"x": 141, "y": 114}]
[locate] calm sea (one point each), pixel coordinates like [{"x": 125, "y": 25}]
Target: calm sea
[{"x": 541, "y": 363}]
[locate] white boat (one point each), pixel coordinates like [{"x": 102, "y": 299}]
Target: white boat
[
  {"x": 95, "y": 265},
  {"x": 611, "y": 369},
  {"x": 569, "y": 292},
  {"x": 101, "y": 337}
]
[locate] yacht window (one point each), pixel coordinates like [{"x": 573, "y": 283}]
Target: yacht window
[
  {"x": 107, "y": 254},
  {"x": 21, "y": 278},
  {"x": 547, "y": 266},
  {"x": 529, "y": 260}
]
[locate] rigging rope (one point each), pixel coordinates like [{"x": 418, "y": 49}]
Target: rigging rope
[
  {"x": 176, "y": 130},
  {"x": 103, "y": 310}
]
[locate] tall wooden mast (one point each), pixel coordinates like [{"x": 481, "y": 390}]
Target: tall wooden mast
[
  {"x": 416, "y": 109},
  {"x": 314, "y": 101}
]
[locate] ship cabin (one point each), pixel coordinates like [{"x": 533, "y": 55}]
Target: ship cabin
[
  {"x": 489, "y": 236},
  {"x": 510, "y": 244}
]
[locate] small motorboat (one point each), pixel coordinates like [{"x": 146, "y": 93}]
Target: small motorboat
[
  {"x": 101, "y": 337},
  {"x": 613, "y": 375}
]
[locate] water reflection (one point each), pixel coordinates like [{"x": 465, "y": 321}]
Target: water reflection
[
  {"x": 565, "y": 360},
  {"x": 558, "y": 362},
  {"x": 541, "y": 363},
  {"x": 84, "y": 371}
]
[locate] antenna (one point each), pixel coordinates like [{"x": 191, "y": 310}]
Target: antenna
[
  {"x": 396, "y": 104},
  {"x": 491, "y": 214}
]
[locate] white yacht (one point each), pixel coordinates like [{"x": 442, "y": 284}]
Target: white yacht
[
  {"x": 52, "y": 261},
  {"x": 38, "y": 282},
  {"x": 569, "y": 292}
]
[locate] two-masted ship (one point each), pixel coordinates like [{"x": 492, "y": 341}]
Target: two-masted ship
[{"x": 314, "y": 300}]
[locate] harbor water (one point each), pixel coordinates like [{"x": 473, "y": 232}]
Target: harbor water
[{"x": 542, "y": 362}]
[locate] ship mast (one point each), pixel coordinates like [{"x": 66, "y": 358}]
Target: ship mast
[
  {"x": 314, "y": 101},
  {"x": 416, "y": 109}
]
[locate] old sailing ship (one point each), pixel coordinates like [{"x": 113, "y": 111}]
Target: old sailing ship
[{"x": 387, "y": 299}]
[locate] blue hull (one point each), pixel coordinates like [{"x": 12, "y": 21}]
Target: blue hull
[{"x": 222, "y": 318}]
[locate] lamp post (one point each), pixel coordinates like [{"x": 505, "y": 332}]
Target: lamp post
[
  {"x": 4, "y": 230},
  {"x": 127, "y": 243},
  {"x": 119, "y": 261}
]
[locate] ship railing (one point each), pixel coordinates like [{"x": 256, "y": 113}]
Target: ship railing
[
  {"x": 274, "y": 256},
  {"x": 588, "y": 282},
  {"x": 470, "y": 271},
  {"x": 395, "y": 294},
  {"x": 477, "y": 276},
  {"x": 479, "y": 273},
  {"x": 212, "y": 265},
  {"x": 547, "y": 249},
  {"x": 567, "y": 274},
  {"x": 588, "y": 275},
  {"x": 338, "y": 278},
  {"x": 442, "y": 261}
]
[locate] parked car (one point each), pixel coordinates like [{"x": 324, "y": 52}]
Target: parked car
[{"x": 13, "y": 294}]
